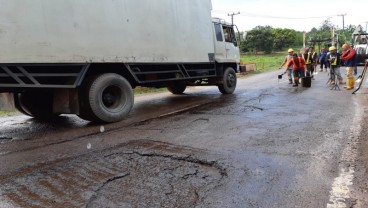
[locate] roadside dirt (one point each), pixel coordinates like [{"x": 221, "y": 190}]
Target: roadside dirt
[{"x": 360, "y": 180}]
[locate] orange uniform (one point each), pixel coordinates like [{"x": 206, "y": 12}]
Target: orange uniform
[{"x": 298, "y": 64}]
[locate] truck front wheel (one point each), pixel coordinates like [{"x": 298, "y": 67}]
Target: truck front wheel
[
  {"x": 228, "y": 84},
  {"x": 106, "y": 98}
]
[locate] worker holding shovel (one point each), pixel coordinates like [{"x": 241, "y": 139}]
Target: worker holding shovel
[
  {"x": 298, "y": 65},
  {"x": 289, "y": 69}
]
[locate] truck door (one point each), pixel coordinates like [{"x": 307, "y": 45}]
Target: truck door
[
  {"x": 231, "y": 46},
  {"x": 220, "y": 49}
]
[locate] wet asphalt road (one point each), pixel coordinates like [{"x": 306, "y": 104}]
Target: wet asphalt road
[{"x": 267, "y": 145}]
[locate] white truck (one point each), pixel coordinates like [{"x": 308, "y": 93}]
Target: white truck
[{"x": 85, "y": 57}]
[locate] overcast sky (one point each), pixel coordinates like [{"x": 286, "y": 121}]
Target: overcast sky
[{"x": 301, "y": 15}]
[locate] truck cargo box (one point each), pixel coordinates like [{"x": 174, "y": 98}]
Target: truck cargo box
[{"x": 100, "y": 31}]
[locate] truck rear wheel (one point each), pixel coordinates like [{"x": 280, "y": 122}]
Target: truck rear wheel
[
  {"x": 18, "y": 105},
  {"x": 106, "y": 98},
  {"x": 35, "y": 104},
  {"x": 229, "y": 81},
  {"x": 177, "y": 88}
]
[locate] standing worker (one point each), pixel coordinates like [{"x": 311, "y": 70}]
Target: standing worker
[
  {"x": 349, "y": 58},
  {"x": 334, "y": 59},
  {"x": 310, "y": 61},
  {"x": 298, "y": 65},
  {"x": 287, "y": 60},
  {"x": 323, "y": 60}
]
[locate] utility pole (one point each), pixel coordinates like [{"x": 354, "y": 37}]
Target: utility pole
[
  {"x": 343, "y": 20},
  {"x": 366, "y": 23},
  {"x": 232, "y": 17}
]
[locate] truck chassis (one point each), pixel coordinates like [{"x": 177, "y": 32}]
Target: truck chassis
[{"x": 102, "y": 92}]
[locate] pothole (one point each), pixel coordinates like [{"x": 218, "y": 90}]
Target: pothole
[{"x": 137, "y": 174}]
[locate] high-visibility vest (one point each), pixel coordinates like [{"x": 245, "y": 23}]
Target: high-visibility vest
[
  {"x": 310, "y": 58},
  {"x": 295, "y": 66},
  {"x": 334, "y": 63}
]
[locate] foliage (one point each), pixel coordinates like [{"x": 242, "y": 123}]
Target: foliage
[
  {"x": 283, "y": 37},
  {"x": 323, "y": 35},
  {"x": 260, "y": 39},
  {"x": 267, "y": 39}
]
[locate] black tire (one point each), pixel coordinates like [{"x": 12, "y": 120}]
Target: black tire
[
  {"x": 177, "y": 88},
  {"x": 106, "y": 98},
  {"x": 17, "y": 104},
  {"x": 35, "y": 104},
  {"x": 229, "y": 81}
]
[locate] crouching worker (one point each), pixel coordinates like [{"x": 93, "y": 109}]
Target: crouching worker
[{"x": 298, "y": 64}]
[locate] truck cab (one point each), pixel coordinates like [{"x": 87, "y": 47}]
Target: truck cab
[{"x": 226, "y": 45}]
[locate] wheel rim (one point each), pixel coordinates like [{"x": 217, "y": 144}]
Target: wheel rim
[
  {"x": 113, "y": 98},
  {"x": 231, "y": 80}
]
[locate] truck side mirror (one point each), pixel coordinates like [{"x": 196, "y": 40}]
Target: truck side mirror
[{"x": 235, "y": 42}]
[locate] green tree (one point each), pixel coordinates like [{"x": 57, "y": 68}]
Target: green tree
[
  {"x": 322, "y": 36},
  {"x": 299, "y": 39},
  {"x": 345, "y": 36},
  {"x": 260, "y": 39},
  {"x": 284, "y": 38}
]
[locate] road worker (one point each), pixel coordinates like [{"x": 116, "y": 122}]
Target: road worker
[
  {"x": 349, "y": 58},
  {"x": 289, "y": 70},
  {"x": 323, "y": 60},
  {"x": 298, "y": 65},
  {"x": 334, "y": 61},
  {"x": 310, "y": 61}
]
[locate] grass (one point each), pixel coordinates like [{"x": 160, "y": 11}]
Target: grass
[
  {"x": 264, "y": 62},
  {"x": 146, "y": 90},
  {"x": 7, "y": 113}
]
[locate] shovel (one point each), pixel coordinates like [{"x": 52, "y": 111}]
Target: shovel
[
  {"x": 280, "y": 76},
  {"x": 361, "y": 77}
]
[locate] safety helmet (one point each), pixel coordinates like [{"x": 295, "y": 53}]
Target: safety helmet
[
  {"x": 332, "y": 48},
  {"x": 290, "y": 50}
]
